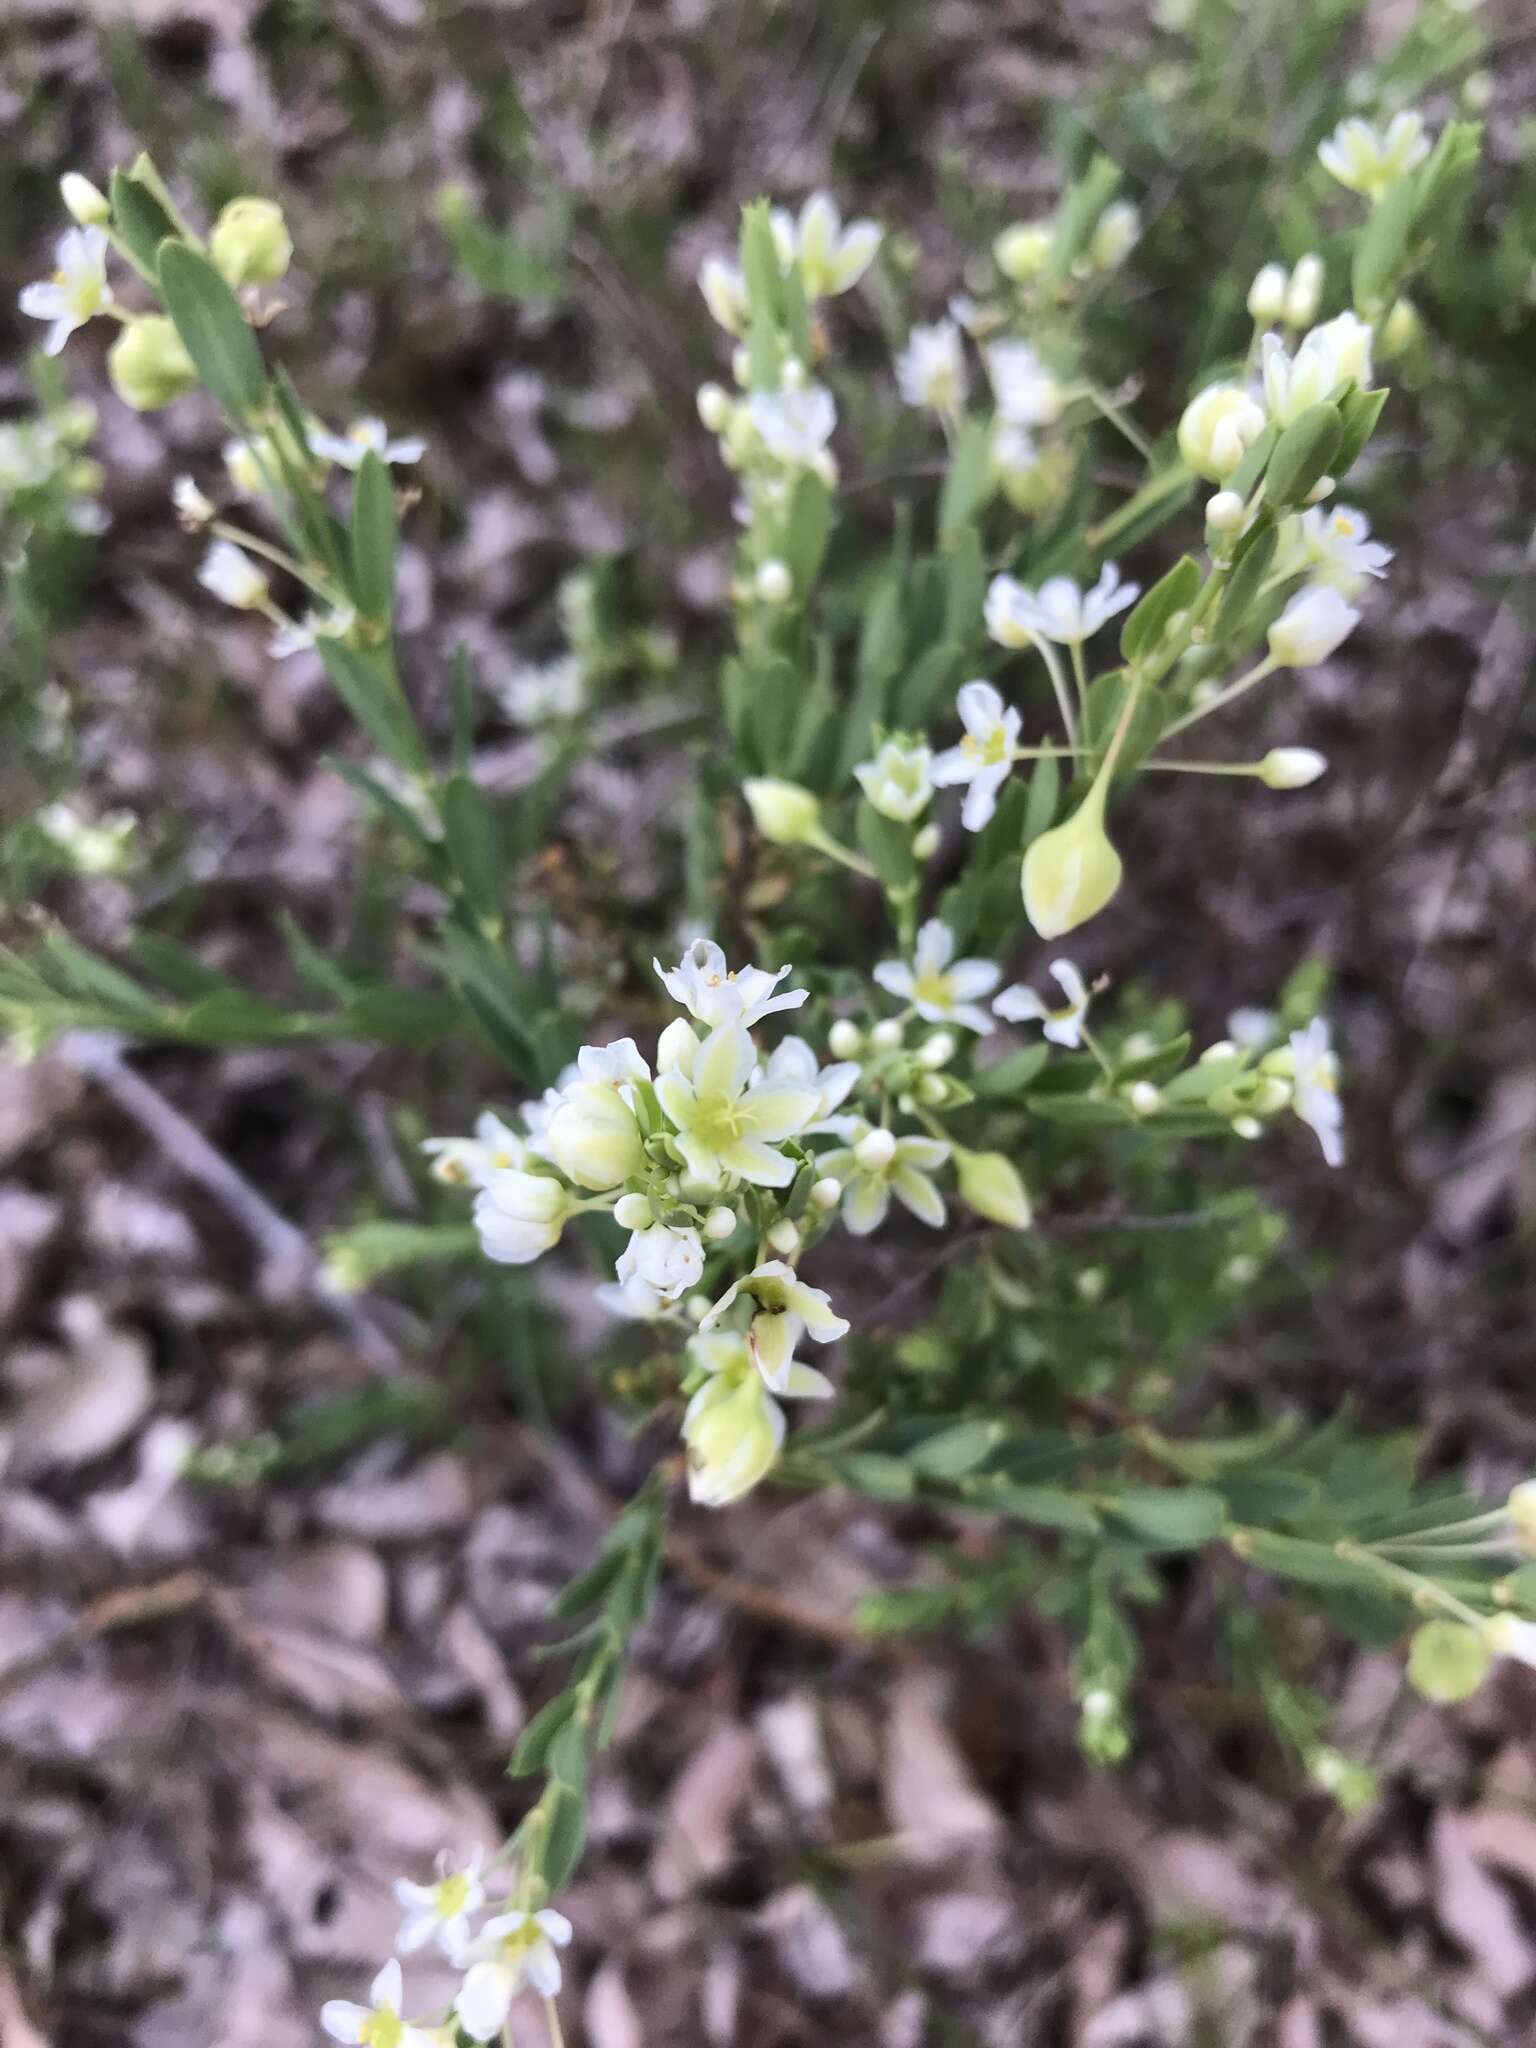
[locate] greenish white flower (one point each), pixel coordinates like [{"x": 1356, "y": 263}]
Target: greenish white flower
[
  {"x": 511, "y": 1950},
  {"x": 76, "y": 292},
  {"x": 1328, "y": 359},
  {"x": 930, "y": 370},
  {"x": 725, "y": 294},
  {"x": 592, "y": 1134},
  {"x": 1369, "y": 160},
  {"x": 794, "y": 426},
  {"x": 733, "y": 1427},
  {"x": 784, "y": 812},
  {"x": 1304, "y": 292},
  {"x": 1315, "y": 1080},
  {"x": 377, "y": 2024},
  {"x": 792, "y": 1061},
  {"x": 465, "y": 1161},
  {"x": 1061, "y": 610},
  {"x": 1064, "y": 1026},
  {"x": 1266, "y": 295},
  {"x": 192, "y": 509},
  {"x": 658, "y": 1267},
  {"x": 1027, "y": 393},
  {"x": 940, "y": 988},
  {"x": 1334, "y": 544},
  {"x": 439, "y": 1912},
  {"x": 365, "y": 437},
  {"x": 717, "y": 994},
  {"x": 1219, "y": 425},
  {"x": 1291, "y": 767},
  {"x": 898, "y": 783},
  {"x": 100, "y": 847},
  {"x": 832, "y": 258},
  {"x": 1116, "y": 235},
  {"x": 1020, "y": 251},
  {"x": 86, "y": 205},
  {"x": 785, "y": 1310},
  {"x": 983, "y": 760},
  {"x": 1315, "y": 623},
  {"x": 724, "y": 1121},
  {"x": 233, "y": 577},
  {"x": 877, "y": 1165},
  {"x": 519, "y": 1215}
]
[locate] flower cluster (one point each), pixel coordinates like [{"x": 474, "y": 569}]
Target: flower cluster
[{"x": 511, "y": 1947}]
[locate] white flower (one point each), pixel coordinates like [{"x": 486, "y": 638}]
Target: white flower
[
  {"x": 1026, "y": 392},
  {"x": 787, "y": 1310},
  {"x": 439, "y": 1912},
  {"x": 1335, "y": 544},
  {"x": 1015, "y": 452},
  {"x": 984, "y": 758},
  {"x": 930, "y": 370},
  {"x": 794, "y": 426},
  {"x": 725, "y": 294},
  {"x": 232, "y": 576},
  {"x": 727, "y": 1124},
  {"x": 897, "y": 782},
  {"x": 536, "y": 691},
  {"x": 101, "y": 848},
  {"x": 77, "y": 290},
  {"x": 872, "y": 1172},
  {"x": 793, "y": 1061},
  {"x": 377, "y": 2024},
  {"x": 519, "y": 1215},
  {"x": 364, "y": 437},
  {"x": 510, "y": 1950},
  {"x": 659, "y": 1266},
  {"x": 941, "y": 993},
  {"x": 715, "y": 994},
  {"x": 1253, "y": 1028},
  {"x": 1315, "y": 1078},
  {"x": 297, "y": 636},
  {"x": 1060, "y": 610},
  {"x": 1021, "y": 1005},
  {"x": 1304, "y": 291},
  {"x": 494, "y": 1146},
  {"x": 1367, "y": 159},
  {"x": 192, "y": 508},
  {"x": 733, "y": 1426},
  {"x": 832, "y": 258},
  {"x": 1350, "y": 339},
  {"x": 1327, "y": 358},
  {"x": 1315, "y": 623},
  {"x": 1217, "y": 428},
  {"x": 1116, "y": 234},
  {"x": 591, "y": 1133}
]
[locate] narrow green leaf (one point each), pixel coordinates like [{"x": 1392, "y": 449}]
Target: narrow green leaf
[
  {"x": 473, "y": 836},
  {"x": 139, "y": 218},
  {"x": 214, "y": 331},
  {"x": 1172, "y": 1518},
  {"x": 375, "y": 538},
  {"x": 1148, "y": 621},
  {"x": 369, "y": 691},
  {"x": 1304, "y": 453}
]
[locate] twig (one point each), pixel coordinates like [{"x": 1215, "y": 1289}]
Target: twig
[{"x": 284, "y": 1247}]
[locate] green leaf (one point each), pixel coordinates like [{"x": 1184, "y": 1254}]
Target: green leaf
[
  {"x": 1148, "y": 621},
  {"x": 1012, "y": 1074},
  {"x": 563, "y": 1842},
  {"x": 139, "y": 218},
  {"x": 534, "y": 1742},
  {"x": 1171, "y": 1518},
  {"x": 375, "y": 538},
  {"x": 1083, "y": 1111},
  {"x": 367, "y": 686},
  {"x": 1360, "y": 410},
  {"x": 234, "y": 1016},
  {"x": 1044, "y": 796},
  {"x": 1244, "y": 585},
  {"x": 887, "y": 844},
  {"x": 214, "y": 331},
  {"x": 952, "y": 1452},
  {"x": 806, "y": 530},
  {"x": 1381, "y": 254},
  {"x": 1291, "y": 1557},
  {"x": 566, "y": 1757},
  {"x": 880, "y": 1477},
  {"x": 1048, "y": 1507},
  {"x": 473, "y": 837},
  {"x": 1304, "y": 453},
  {"x": 1106, "y": 701},
  {"x": 970, "y": 481},
  {"x": 1078, "y": 216}
]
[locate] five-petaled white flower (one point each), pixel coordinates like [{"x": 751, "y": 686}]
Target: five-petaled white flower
[
  {"x": 1367, "y": 159},
  {"x": 1315, "y": 1079},
  {"x": 984, "y": 758},
  {"x": 898, "y": 782},
  {"x": 232, "y": 576},
  {"x": 832, "y": 258},
  {"x": 1059, "y": 610},
  {"x": 1026, "y": 392},
  {"x": 365, "y": 437},
  {"x": 794, "y": 426},
  {"x": 787, "y": 1310},
  {"x": 733, "y": 1426},
  {"x": 462, "y": 1161},
  {"x": 941, "y": 989},
  {"x": 77, "y": 290},
  {"x": 877, "y": 1165},
  {"x": 511, "y": 1950},
  {"x": 715, "y": 994},
  {"x": 1335, "y": 544},
  {"x": 727, "y": 1123},
  {"x": 439, "y": 1912},
  {"x": 1021, "y": 1005},
  {"x": 377, "y": 2024},
  {"x": 793, "y": 1061},
  {"x": 930, "y": 370}
]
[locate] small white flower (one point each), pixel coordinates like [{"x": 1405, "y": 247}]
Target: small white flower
[
  {"x": 100, "y": 848},
  {"x": 897, "y": 782},
  {"x": 930, "y": 370},
  {"x": 1015, "y": 452},
  {"x": 1304, "y": 291},
  {"x": 365, "y": 437},
  {"x": 832, "y": 258},
  {"x": 1060, "y": 610},
  {"x": 464, "y": 1161},
  {"x": 538, "y": 691},
  {"x": 377, "y": 2024},
  {"x": 1021, "y": 1005},
  {"x": 192, "y": 508},
  {"x": 733, "y": 1426},
  {"x": 519, "y": 1215},
  {"x": 942, "y": 990},
  {"x": 1334, "y": 543},
  {"x": 792, "y": 1061},
  {"x": 725, "y": 294},
  {"x": 659, "y": 1266},
  {"x": 1315, "y": 1078},
  {"x": 590, "y": 1130},
  {"x": 1253, "y": 1028},
  {"x": 716, "y": 994},
  {"x": 727, "y": 1123},
  {"x": 1217, "y": 428},
  {"x": 1026, "y": 392},
  {"x": 870, "y": 1175},
  {"x": 787, "y": 1310},
  {"x": 298, "y": 636},
  {"x": 794, "y": 426},
  {"x": 77, "y": 290},
  {"x": 439, "y": 1912},
  {"x": 984, "y": 758},
  {"x": 510, "y": 1950},
  {"x": 1315, "y": 623},
  {"x": 232, "y": 576},
  {"x": 1367, "y": 159},
  {"x": 1327, "y": 358}
]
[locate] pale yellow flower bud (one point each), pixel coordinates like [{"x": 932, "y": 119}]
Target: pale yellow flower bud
[
  {"x": 1219, "y": 426},
  {"x": 84, "y": 204},
  {"x": 1021, "y": 250},
  {"x": 1070, "y": 872},
  {"x": 783, "y": 812},
  {"x": 250, "y": 243},
  {"x": 148, "y": 364},
  {"x": 990, "y": 1185}
]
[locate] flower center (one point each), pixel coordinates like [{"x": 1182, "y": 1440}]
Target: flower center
[
  {"x": 933, "y": 988},
  {"x": 382, "y": 2030},
  {"x": 451, "y": 1896}
]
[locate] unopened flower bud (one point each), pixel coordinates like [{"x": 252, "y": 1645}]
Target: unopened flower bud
[
  {"x": 720, "y": 1224},
  {"x": 938, "y": 1050},
  {"x": 715, "y": 407},
  {"x": 906, "y": 1102},
  {"x": 792, "y": 377},
  {"x": 886, "y": 1035},
  {"x": 784, "y": 1238},
  {"x": 844, "y": 1039},
  {"x": 1400, "y": 330},
  {"x": 85, "y": 205},
  {"x": 1020, "y": 251},
  {"x": 148, "y": 364},
  {"x": 1305, "y": 292},
  {"x": 990, "y": 1185},
  {"x": 1225, "y": 511},
  {"x": 1291, "y": 767},
  {"x": 1266, "y": 295},
  {"x": 926, "y": 844},
  {"x": 1143, "y": 1097},
  {"x": 773, "y": 582},
  {"x": 875, "y": 1150},
  {"x": 633, "y": 1212},
  {"x": 1091, "y": 1283},
  {"x": 1522, "y": 1515},
  {"x": 741, "y": 366},
  {"x": 783, "y": 812},
  {"x": 826, "y": 1193},
  {"x": 1217, "y": 429},
  {"x": 1070, "y": 872},
  {"x": 250, "y": 243},
  {"x": 932, "y": 1090},
  {"x": 1247, "y": 1127},
  {"x": 1448, "y": 1661}
]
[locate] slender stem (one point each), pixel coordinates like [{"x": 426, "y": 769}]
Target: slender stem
[
  {"x": 552, "y": 2015},
  {"x": 132, "y": 261},
  {"x": 254, "y": 544},
  {"x": 1080, "y": 676},
  {"x": 1094, "y": 1047},
  {"x": 835, "y": 850},
  {"x": 1059, "y": 685},
  {"x": 1117, "y": 419},
  {"x": 1207, "y": 767},
  {"x": 1420, "y": 1589},
  {"x": 1224, "y": 697}
]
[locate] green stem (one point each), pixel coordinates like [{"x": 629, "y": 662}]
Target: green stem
[
  {"x": 835, "y": 850},
  {"x": 1229, "y": 695},
  {"x": 1059, "y": 685},
  {"x": 1419, "y": 1590}
]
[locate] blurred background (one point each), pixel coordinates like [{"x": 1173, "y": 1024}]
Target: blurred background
[{"x": 235, "y": 1705}]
